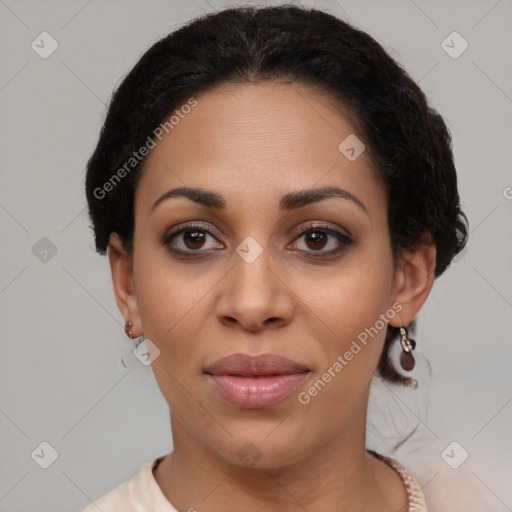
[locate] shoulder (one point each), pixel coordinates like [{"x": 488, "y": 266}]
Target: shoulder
[
  {"x": 416, "y": 499},
  {"x": 414, "y": 492},
  {"x": 140, "y": 492},
  {"x": 120, "y": 497}
]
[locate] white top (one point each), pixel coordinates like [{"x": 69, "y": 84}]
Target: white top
[{"x": 141, "y": 493}]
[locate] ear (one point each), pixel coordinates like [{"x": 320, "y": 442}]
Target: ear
[
  {"x": 414, "y": 279},
  {"x": 122, "y": 279}
]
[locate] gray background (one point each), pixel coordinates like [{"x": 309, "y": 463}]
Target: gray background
[{"x": 68, "y": 374}]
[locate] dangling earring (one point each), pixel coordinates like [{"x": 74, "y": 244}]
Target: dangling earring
[
  {"x": 408, "y": 345},
  {"x": 128, "y": 329}
]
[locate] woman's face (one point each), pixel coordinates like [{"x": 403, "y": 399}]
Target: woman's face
[{"x": 243, "y": 280}]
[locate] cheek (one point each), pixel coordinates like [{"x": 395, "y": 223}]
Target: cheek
[
  {"x": 172, "y": 313},
  {"x": 353, "y": 307},
  {"x": 351, "y": 347},
  {"x": 353, "y": 298}
]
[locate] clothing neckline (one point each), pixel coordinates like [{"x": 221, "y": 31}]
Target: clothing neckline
[{"x": 415, "y": 497}]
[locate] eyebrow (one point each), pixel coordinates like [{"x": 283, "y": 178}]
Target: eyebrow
[{"x": 289, "y": 201}]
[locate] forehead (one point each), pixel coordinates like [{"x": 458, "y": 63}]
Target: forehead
[{"x": 250, "y": 140}]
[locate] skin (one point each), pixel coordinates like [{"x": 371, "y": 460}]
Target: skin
[{"x": 252, "y": 143}]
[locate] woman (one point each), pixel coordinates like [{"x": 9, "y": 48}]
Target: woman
[{"x": 276, "y": 199}]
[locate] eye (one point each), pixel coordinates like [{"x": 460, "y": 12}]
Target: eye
[
  {"x": 323, "y": 240},
  {"x": 190, "y": 238}
]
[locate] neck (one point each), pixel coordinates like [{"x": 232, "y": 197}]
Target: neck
[{"x": 337, "y": 476}]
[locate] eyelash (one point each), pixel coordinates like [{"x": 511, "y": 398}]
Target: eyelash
[{"x": 317, "y": 228}]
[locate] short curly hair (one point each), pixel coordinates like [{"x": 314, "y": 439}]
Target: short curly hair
[{"x": 409, "y": 143}]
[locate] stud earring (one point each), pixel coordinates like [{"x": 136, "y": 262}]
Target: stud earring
[
  {"x": 128, "y": 329},
  {"x": 408, "y": 345}
]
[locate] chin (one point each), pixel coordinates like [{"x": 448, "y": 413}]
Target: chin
[{"x": 256, "y": 449}]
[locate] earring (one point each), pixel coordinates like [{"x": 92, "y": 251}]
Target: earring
[
  {"x": 408, "y": 345},
  {"x": 128, "y": 329}
]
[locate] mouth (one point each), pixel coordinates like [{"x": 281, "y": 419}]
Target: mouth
[{"x": 255, "y": 381}]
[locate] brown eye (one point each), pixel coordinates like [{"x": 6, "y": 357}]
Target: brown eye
[
  {"x": 190, "y": 239},
  {"x": 318, "y": 238},
  {"x": 193, "y": 239}
]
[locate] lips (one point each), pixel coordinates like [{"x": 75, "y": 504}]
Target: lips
[
  {"x": 255, "y": 381},
  {"x": 245, "y": 365}
]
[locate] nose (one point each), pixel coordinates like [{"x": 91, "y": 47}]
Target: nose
[{"x": 254, "y": 295}]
